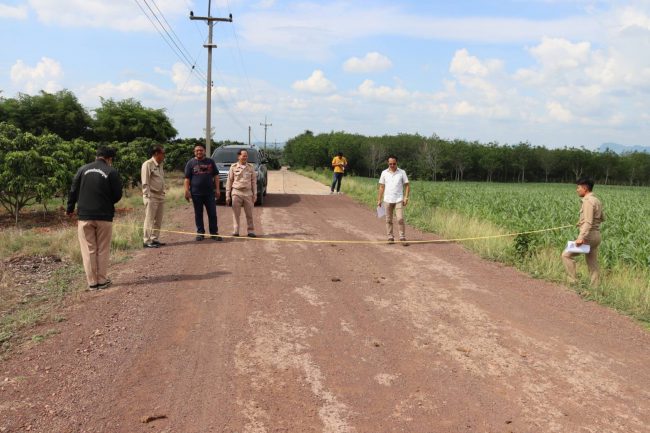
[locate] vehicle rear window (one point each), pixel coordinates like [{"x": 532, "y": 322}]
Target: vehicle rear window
[{"x": 229, "y": 156}]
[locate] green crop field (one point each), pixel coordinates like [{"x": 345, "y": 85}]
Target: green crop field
[
  {"x": 472, "y": 209},
  {"x": 522, "y": 207}
]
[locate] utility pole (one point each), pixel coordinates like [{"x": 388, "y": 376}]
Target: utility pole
[
  {"x": 249, "y": 136},
  {"x": 208, "y": 114},
  {"x": 265, "y": 125}
]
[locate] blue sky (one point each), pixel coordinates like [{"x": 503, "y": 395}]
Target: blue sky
[{"x": 551, "y": 72}]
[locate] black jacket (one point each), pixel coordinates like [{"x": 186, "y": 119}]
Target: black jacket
[{"x": 95, "y": 189}]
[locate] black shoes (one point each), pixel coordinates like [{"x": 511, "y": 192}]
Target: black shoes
[
  {"x": 150, "y": 245},
  {"x": 160, "y": 244},
  {"x": 101, "y": 286},
  {"x": 252, "y": 235},
  {"x": 213, "y": 237}
]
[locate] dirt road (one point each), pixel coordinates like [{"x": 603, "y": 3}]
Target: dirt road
[{"x": 256, "y": 336}]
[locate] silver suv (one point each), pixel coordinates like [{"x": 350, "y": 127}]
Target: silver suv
[{"x": 225, "y": 156}]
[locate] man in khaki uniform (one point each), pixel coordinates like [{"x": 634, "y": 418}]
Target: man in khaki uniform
[
  {"x": 591, "y": 215},
  {"x": 241, "y": 190},
  {"x": 153, "y": 195}
]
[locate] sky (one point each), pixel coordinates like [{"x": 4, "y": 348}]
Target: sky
[{"x": 552, "y": 73}]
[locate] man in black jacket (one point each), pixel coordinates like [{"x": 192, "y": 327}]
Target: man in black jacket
[{"x": 95, "y": 189}]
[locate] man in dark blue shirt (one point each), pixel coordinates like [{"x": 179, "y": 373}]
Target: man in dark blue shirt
[{"x": 202, "y": 187}]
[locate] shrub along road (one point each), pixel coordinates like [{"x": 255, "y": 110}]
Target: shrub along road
[{"x": 257, "y": 336}]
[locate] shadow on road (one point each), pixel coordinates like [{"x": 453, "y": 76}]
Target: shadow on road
[
  {"x": 281, "y": 200},
  {"x": 172, "y": 278}
]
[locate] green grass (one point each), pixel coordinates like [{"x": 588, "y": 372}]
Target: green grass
[{"x": 470, "y": 209}]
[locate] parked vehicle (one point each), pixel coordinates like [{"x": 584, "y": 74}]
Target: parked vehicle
[{"x": 225, "y": 156}]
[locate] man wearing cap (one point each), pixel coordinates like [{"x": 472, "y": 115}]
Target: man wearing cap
[
  {"x": 95, "y": 189},
  {"x": 153, "y": 195}
]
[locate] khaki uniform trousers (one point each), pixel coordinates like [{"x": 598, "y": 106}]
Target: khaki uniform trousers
[
  {"x": 95, "y": 243},
  {"x": 593, "y": 240},
  {"x": 153, "y": 214},
  {"x": 398, "y": 209},
  {"x": 247, "y": 202}
]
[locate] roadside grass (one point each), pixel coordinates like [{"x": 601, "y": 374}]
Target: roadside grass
[
  {"x": 624, "y": 286},
  {"x": 23, "y": 308}
]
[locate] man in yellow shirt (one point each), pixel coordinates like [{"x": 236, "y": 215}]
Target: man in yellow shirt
[{"x": 339, "y": 164}]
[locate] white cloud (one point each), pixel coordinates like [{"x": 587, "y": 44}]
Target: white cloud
[
  {"x": 44, "y": 76},
  {"x": 253, "y": 107},
  {"x": 372, "y": 62},
  {"x": 14, "y": 12},
  {"x": 127, "y": 89},
  {"x": 123, "y": 15},
  {"x": 557, "y": 112},
  {"x": 266, "y": 4},
  {"x": 463, "y": 63},
  {"x": 630, "y": 17},
  {"x": 368, "y": 89},
  {"x": 312, "y": 30},
  {"x": 480, "y": 80},
  {"x": 556, "y": 53},
  {"x": 464, "y": 108},
  {"x": 316, "y": 83}
]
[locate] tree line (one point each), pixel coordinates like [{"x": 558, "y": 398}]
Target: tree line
[
  {"x": 45, "y": 138},
  {"x": 438, "y": 159}
]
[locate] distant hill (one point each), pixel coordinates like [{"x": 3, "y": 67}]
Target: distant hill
[{"x": 622, "y": 148}]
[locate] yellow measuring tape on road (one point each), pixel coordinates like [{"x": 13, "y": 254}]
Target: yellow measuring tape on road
[{"x": 324, "y": 241}]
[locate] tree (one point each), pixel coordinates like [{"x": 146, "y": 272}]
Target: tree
[
  {"x": 374, "y": 155},
  {"x": 608, "y": 161},
  {"x": 58, "y": 113},
  {"x": 576, "y": 160},
  {"x": 490, "y": 160},
  {"x": 431, "y": 153},
  {"x": 547, "y": 160},
  {"x": 129, "y": 158},
  {"x": 460, "y": 158},
  {"x": 522, "y": 155},
  {"x": 636, "y": 167},
  {"x": 27, "y": 173},
  {"x": 126, "y": 120}
]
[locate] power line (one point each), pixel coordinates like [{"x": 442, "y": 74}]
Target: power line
[
  {"x": 188, "y": 61},
  {"x": 169, "y": 25},
  {"x": 168, "y": 40}
]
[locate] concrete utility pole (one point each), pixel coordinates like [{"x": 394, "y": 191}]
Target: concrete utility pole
[
  {"x": 265, "y": 125},
  {"x": 210, "y": 20}
]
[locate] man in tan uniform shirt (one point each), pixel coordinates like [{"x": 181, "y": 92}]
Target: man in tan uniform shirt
[
  {"x": 591, "y": 215},
  {"x": 153, "y": 195},
  {"x": 241, "y": 190}
]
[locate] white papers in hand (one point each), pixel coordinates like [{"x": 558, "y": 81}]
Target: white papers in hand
[
  {"x": 381, "y": 212},
  {"x": 573, "y": 248}
]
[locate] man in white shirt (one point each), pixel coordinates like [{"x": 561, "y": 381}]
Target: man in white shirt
[{"x": 394, "y": 192}]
